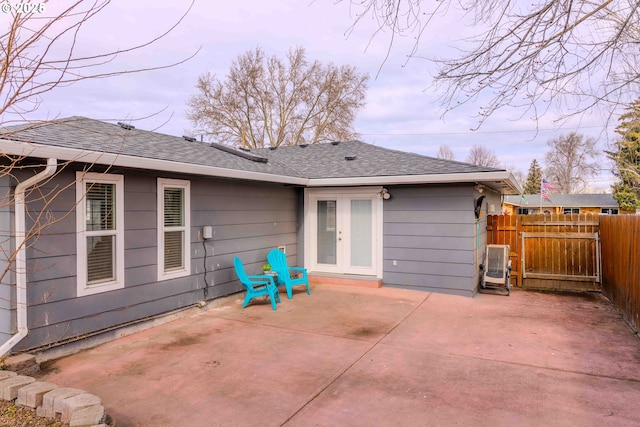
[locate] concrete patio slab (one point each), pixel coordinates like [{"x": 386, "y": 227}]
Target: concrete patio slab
[
  {"x": 360, "y": 356},
  {"x": 565, "y": 331}
]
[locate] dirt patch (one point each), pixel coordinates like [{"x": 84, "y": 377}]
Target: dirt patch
[
  {"x": 184, "y": 340},
  {"x": 365, "y": 331},
  {"x": 136, "y": 369},
  {"x": 46, "y": 368}
]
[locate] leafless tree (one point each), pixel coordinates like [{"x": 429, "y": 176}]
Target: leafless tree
[
  {"x": 571, "y": 162},
  {"x": 515, "y": 171},
  {"x": 39, "y": 53},
  {"x": 38, "y": 42},
  {"x": 578, "y": 53},
  {"x": 483, "y": 156},
  {"x": 444, "y": 152},
  {"x": 267, "y": 101}
]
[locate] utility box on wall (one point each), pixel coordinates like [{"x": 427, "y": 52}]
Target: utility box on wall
[{"x": 207, "y": 232}]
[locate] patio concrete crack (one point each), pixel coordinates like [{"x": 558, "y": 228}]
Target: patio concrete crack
[
  {"x": 350, "y": 365},
  {"x": 507, "y": 362}
]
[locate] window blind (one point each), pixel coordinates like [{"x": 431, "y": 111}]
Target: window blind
[
  {"x": 174, "y": 228},
  {"x": 100, "y": 206},
  {"x": 101, "y": 231},
  {"x": 173, "y": 207},
  {"x": 100, "y": 265}
]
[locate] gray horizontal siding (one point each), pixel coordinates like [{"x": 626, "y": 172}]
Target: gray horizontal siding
[
  {"x": 248, "y": 220},
  {"x": 432, "y": 255},
  {"x": 440, "y": 216},
  {"x": 430, "y": 235},
  {"x": 80, "y": 326},
  {"x": 425, "y": 242},
  {"x": 242, "y": 217},
  {"x": 453, "y": 268},
  {"x": 432, "y": 230}
]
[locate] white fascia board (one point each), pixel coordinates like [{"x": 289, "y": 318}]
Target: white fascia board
[
  {"x": 490, "y": 179},
  {"x": 486, "y": 178},
  {"x": 92, "y": 157}
]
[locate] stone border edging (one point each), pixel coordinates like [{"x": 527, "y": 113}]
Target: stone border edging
[{"x": 69, "y": 405}]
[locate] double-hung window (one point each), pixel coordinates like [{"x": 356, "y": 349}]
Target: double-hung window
[
  {"x": 526, "y": 211},
  {"x": 609, "y": 211},
  {"x": 174, "y": 255},
  {"x": 100, "y": 232}
]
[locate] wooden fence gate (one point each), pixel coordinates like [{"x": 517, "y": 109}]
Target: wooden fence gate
[{"x": 550, "y": 251}]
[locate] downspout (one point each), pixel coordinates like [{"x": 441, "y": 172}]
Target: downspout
[{"x": 21, "y": 254}]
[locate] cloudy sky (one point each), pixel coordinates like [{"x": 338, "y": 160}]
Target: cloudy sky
[{"x": 402, "y": 109}]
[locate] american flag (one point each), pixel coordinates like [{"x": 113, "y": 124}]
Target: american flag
[
  {"x": 547, "y": 184},
  {"x": 545, "y": 196}
]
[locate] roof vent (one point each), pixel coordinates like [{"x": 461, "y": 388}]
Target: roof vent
[
  {"x": 188, "y": 138},
  {"x": 350, "y": 157},
  {"x": 245, "y": 149},
  {"x": 126, "y": 126},
  {"x": 273, "y": 148},
  {"x": 335, "y": 142},
  {"x": 304, "y": 145}
]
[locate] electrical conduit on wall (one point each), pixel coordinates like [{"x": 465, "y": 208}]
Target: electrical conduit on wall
[{"x": 21, "y": 254}]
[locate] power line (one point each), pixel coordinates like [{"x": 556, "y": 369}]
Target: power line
[{"x": 476, "y": 132}]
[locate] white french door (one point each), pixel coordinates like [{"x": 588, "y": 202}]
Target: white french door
[{"x": 344, "y": 231}]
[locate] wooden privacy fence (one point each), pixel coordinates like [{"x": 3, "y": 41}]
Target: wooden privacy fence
[
  {"x": 621, "y": 264},
  {"x": 550, "y": 251}
]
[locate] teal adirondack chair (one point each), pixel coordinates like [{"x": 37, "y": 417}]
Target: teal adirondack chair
[
  {"x": 278, "y": 261},
  {"x": 257, "y": 286}
]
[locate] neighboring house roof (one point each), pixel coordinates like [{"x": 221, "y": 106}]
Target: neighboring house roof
[
  {"x": 564, "y": 200},
  {"x": 93, "y": 141}
]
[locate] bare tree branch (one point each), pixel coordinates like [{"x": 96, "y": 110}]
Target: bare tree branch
[
  {"x": 575, "y": 54},
  {"x": 270, "y": 102},
  {"x": 482, "y": 156},
  {"x": 39, "y": 53},
  {"x": 444, "y": 152},
  {"x": 571, "y": 162}
]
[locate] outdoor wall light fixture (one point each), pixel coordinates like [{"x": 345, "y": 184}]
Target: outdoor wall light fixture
[{"x": 384, "y": 193}]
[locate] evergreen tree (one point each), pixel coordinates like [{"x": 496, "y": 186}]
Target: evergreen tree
[
  {"x": 534, "y": 179},
  {"x": 626, "y": 158}
]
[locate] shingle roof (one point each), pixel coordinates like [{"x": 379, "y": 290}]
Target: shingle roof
[
  {"x": 326, "y": 160},
  {"x": 564, "y": 200},
  {"x": 94, "y": 135}
]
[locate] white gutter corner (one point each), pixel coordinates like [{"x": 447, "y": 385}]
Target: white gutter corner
[{"x": 21, "y": 254}]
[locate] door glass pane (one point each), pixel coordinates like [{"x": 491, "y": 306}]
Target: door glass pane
[
  {"x": 326, "y": 232},
  {"x": 361, "y": 233}
]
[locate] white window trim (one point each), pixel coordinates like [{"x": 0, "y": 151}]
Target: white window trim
[
  {"x": 186, "y": 185},
  {"x": 82, "y": 178}
]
